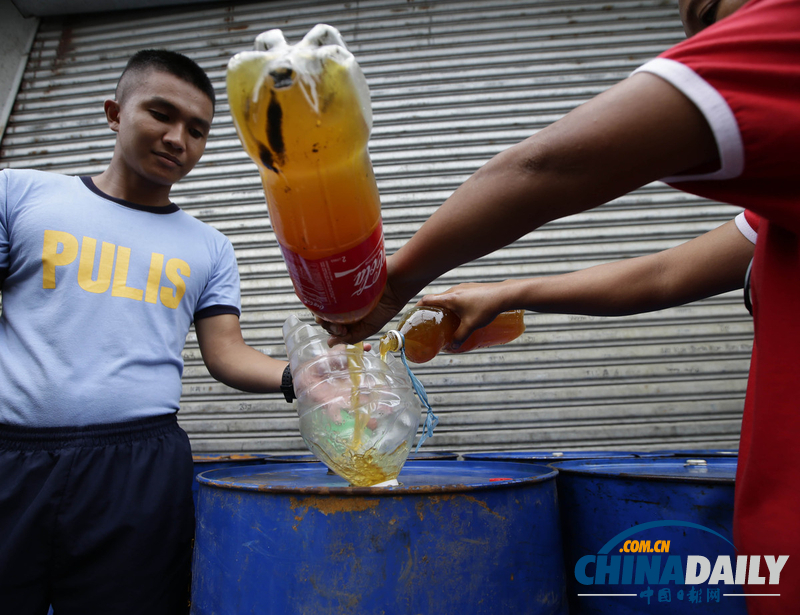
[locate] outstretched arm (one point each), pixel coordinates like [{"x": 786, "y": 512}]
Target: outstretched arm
[
  {"x": 231, "y": 361},
  {"x": 713, "y": 263},
  {"x": 638, "y": 131}
]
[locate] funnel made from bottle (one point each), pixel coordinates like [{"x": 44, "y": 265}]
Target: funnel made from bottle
[
  {"x": 428, "y": 330},
  {"x": 358, "y": 414},
  {"x": 302, "y": 113}
]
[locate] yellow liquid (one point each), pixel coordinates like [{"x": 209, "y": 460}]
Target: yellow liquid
[
  {"x": 309, "y": 140},
  {"x": 368, "y": 468},
  {"x": 387, "y": 345},
  {"x": 355, "y": 364}
]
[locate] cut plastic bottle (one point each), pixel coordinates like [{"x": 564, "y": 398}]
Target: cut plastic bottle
[{"x": 358, "y": 414}]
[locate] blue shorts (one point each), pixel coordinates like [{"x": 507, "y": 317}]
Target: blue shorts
[{"x": 96, "y": 520}]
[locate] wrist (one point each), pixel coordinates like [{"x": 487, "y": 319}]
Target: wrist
[
  {"x": 405, "y": 278},
  {"x": 512, "y": 295}
]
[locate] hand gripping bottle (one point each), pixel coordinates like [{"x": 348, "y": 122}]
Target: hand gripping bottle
[
  {"x": 427, "y": 330},
  {"x": 303, "y": 115},
  {"x": 358, "y": 414}
]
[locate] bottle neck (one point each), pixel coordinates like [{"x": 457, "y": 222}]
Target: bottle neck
[{"x": 392, "y": 342}]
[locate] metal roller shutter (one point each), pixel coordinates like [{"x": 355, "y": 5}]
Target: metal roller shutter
[{"x": 453, "y": 83}]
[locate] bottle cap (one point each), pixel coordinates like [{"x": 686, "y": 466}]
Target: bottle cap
[{"x": 396, "y": 335}]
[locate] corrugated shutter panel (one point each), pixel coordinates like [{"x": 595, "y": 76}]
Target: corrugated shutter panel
[{"x": 452, "y": 84}]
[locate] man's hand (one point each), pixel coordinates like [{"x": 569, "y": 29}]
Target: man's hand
[
  {"x": 390, "y": 304},
  {"x": 476, "y": 305}
]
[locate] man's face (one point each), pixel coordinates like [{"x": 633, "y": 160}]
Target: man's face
[
  {"x": 699, "y": 14},
  {"x": 162, "y": 125}
]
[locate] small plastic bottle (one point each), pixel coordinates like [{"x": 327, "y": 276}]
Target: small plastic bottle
[
  {"x": 302, "y": 113},
  {"x": 428, "y": 330}
]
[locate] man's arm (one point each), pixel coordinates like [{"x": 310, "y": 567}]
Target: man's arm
[
  {"x": 231, "y": 361},
  {"x": 713, "y": 263},
  {"x": 638, "y": 131}
]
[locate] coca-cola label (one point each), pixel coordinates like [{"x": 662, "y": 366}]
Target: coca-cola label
[{"x": 343, "y": 282}]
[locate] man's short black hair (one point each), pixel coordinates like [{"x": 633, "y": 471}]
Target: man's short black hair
[{"x": 169, "y": 62}]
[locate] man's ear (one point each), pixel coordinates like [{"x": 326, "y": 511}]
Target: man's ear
[{"x": 111, "y": 108}]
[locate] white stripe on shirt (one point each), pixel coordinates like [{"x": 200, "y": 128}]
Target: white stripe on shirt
[
  {"x": 714, "y": 108},
  {"x": 744, "y": 227}
]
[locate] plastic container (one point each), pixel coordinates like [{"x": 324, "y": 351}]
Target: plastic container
[
  {"x": 428, "y": 330},
  {"x": 303, "y": 115},
  {"x": 358, "y": 414},
  {"x": 454, "y": 537}
]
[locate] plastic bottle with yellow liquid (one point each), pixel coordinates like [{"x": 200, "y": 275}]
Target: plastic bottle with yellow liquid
[
  {"x": 428, "y": 330},
  {"x": 364, "y": 434},
  {"x": 303, "y": 115}
]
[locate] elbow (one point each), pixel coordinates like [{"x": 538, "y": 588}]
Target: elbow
[
  {"x": 528, "y": 159},
  {"x": 536, "y": 159},
  {"x": 542, "y": 180},
  {"x": 216, "y": 367},
  {"x": 216, "y": 372}
]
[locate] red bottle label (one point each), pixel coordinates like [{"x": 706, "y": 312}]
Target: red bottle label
[{"x": 341, "y": 283}]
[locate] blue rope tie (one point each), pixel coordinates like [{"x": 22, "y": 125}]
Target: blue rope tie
[{"x": 431, "y": 420}]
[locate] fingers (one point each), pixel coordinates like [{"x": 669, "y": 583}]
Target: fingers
[
  {"x": 451, "y": 296},
  {"x": 344, "y": 338},
  {"x": 370, "y": 325},
  {"x": 350, "y": 335},
  {"x": 343, "y": 334},
  {"x": 449, "y": 300},
  {"x": 340, "y": 334},
  {"x": 333, "y": 328},
  {"x": 439, "y": 300},
  {"x": 472, "y": 303},
  {"x": 465, "y": 329},
  {"x": 445, "y": 299}
]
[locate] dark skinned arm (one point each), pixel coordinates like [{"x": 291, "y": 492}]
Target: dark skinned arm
[{"x": 638, "y": 131}]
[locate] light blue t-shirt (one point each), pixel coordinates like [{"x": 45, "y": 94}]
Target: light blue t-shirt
[{"x": 97, "y": 298}]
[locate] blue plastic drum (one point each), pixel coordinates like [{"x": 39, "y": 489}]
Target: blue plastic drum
[
  {"x": 545, "y": 457},
  {"x": 453, "y": 537},
  {"x": 214, "y": 461},
  {"x": 649, "y": 536},
  {"x": 701, "y": 453}
]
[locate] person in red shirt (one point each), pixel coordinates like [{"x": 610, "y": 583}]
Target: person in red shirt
[{"x": 718, "y": 115}]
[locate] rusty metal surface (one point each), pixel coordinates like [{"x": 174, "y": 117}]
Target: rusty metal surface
[
  {"x": 225, "y": 457},
  {"x": 417, "y": 477}
]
